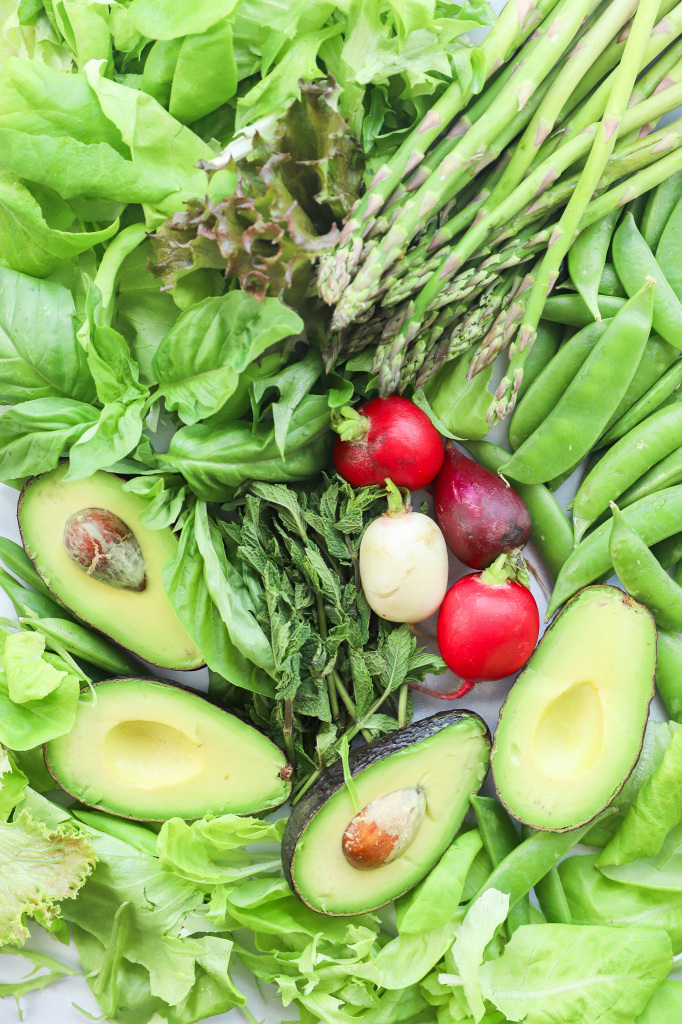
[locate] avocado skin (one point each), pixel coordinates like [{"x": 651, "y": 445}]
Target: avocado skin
[
  {"x": 80, "y": 618},
  {"x": 169, "y": 686},
  {"x": 332, "y": 778},
  {"x": 626, "y": 599}
]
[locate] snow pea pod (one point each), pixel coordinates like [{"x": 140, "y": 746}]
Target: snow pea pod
[
  {"x": 669, "y": 671},
  {"x": 461, "y": 405},
  {"x": 660, "y": 204},
  {"x": 544, "y": 349},
  {"x": 18, "y": 562},
  {"x": 577, "y": 420},
  {"x": 648, "y": 403},
  {"x": 572, "y": 311},
  {"x": 551, "y": 530},
  {"x": 635, "y": 264},
  {"x": 655, "y": 518},
  {"x": 523, "y": 868},
  {"x": 551, "y": 383},
  {"x": 28, "y": 602},
  {"x": 658, "y": 357},
  {"x": 625, "y": 462},
  {"x": 550, "y": 892},
  {"x": 610, "y": 283},
  {"x": 669, "y": 551},
  {"x": 669, "y": 250},
  {"x": 83, "y": 643},
  {"x": 499, "y": 839},
  {"x": 665, "y": 473},
  {"x": 643, "y": 577},
  {"x": 587, "y": 257}
]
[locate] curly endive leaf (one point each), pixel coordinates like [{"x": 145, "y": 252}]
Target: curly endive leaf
[
  {"x": 297, "y": 178},
  {"x": 40, "y": 867}
]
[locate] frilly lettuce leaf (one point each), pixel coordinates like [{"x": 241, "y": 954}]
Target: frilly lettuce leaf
[
  {"x": 297, "y": 177},
  {"x": 41, "y": 868},
  {"x": 29, "y": 675}
]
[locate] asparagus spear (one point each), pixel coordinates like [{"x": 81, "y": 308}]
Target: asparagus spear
[
  {"x": 515, "y": 24},
  {"x": 528, "y": 73}
]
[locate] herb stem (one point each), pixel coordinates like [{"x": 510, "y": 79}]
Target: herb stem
[
  {"x": 288, "y": 731},
  {"x": 402, "y": 707}
]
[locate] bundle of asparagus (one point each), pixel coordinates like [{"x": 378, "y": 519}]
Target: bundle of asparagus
[{"x": 431, "y": 259}]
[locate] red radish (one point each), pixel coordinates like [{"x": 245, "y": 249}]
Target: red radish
[
  {"x": 387, "y": 437},
  {"x": 403, "y": 562},
  {"x": 480, "y": 515},
  {"x": 488, "y": 625}
]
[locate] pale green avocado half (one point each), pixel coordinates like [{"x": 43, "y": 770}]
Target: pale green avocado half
[
  {"x": 150, "y": 751},
  {"x": 571, "y": 729},
  {"x": 144, "y": 622},
  {"x": 446, "y": 756}
]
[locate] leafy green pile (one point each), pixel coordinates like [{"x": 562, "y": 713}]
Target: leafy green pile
[{"x": 203, "y": 901}]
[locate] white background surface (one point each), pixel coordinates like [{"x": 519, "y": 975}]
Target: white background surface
[{"x": 54, "y": 1005}]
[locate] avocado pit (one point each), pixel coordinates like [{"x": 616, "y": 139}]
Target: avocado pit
[
  {"x": 105, "y": 548},
  {"x": 384, "y": 829}
]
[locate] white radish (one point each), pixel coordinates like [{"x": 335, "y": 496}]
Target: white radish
[{"x": 403, "y": 562}]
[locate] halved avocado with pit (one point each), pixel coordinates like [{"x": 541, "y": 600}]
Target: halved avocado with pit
[
  {"x": 150, "y": 751},
  {"x": 413, "y": 788},
  {"x": 571, "y": 729},
  {"x": 139, "y": 616}
]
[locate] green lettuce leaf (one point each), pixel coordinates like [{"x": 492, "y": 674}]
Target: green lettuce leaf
[
  {"x": 560, "y": 974},
  {"x": 595, "y": 899},
  {"x": 665, "y": 1005},
  {"x": 656, "y": 809},
  {"x": 483, "y": 918},
  {"x": 434, "y": 901},
  {"x": 661, "y": 871},
  {"x": 210, "y": 853},
  {"x": 199, "y": 361},
  {"x": 33, "y": 981},
  {"x": 36, "y": 434},
  {"x": 13, "y": 782},
  {"x": 29, "y": 675},
  {"x": 42, "y": 867}
]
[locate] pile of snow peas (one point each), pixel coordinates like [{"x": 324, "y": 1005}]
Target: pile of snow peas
[{"x": 610, "y": 397}]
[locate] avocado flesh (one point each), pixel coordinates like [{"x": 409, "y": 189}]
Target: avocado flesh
[
  {"x": 571, "y": 729},
  {"x": 144, "y": 621},
  {"x": 151, "y": 751},
  {"x": 449, "y": 765}
]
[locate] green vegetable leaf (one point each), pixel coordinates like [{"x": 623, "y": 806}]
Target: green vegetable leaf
[
  {"x": 560, "y": 974},
  {"x": 661, "y": 871},
  {"x": 39, "y": 354},
  {"x": 483, "y": 918},
  {"x": 656, "y": 809},
  {"x": 434, "y": 901},
  {"x": 115, "y": 435},
  {"x": 33, "y": 981},
  {"x": 406, "y": 959},
  {"x": 205, "y": 73},
  {"x": 29, "y": 675},
  {"x": 199, "y": 361},
  {"x": 43, "y": 866},
  {"x": 293, "y": 383},
  {"x": 209, "y": 853},
  {"x": 13, "y": 782},
  {"x": 168, "y": 19},
  {"x": 665, "y": 1005},
  {"x": 36, "y": 434}
]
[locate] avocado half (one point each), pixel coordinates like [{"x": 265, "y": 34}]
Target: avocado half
[
  {"x": 144, "y": 622},
  {"x": 150, "y": 751},
  {"x": 445, "y": 757},
  {"x": 571, "y": 729}
]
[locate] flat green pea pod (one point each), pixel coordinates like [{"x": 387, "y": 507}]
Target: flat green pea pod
[
  {"x": 18, "y": 562},
  {"x": 655, "y": 518},
  {"x": 83, "y": 643},
  {"x": 624, "y": 463},
  {"x": 550, "y": 384},
  {"x": 587, "y": 257},
  {"x": 578, "y": 419},
  {"x": 544, "y": 348},
  {"x": 657, "y": 394},
  {"x": 549, "y": 892},
  {"x": 669, "y": 671},
  {"x": 610, "y": 283},
  {"x": 530, "y": 861},
  {"x": 635, "y": 264},
  {"x": 660, "y": 204},
  {"x": 460, "y": 405},
  {"x": 665, "y": 473},
  {"x": 658, "y": 357},
  {"x": 643, "y": 577},
  {"x": 551, "y": 530},
  {"x": 572, "y": 311},
  {"x": 28, "y": 602},
  {"x": 669, "y": 551},
  {"x": 499, "y": 839},
  {"x": 669, "y": 250}
]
